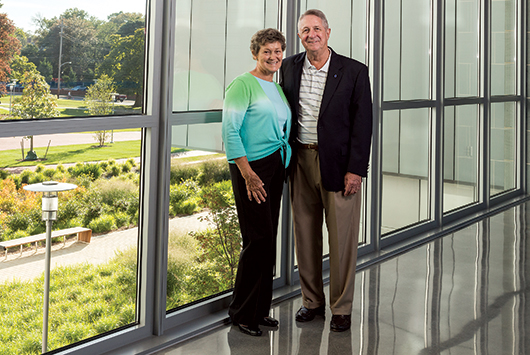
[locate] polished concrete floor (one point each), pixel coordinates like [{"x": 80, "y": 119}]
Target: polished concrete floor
[{"x": 465, "y": 293}]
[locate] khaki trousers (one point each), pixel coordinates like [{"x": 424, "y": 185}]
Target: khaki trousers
[{"x": 310, "y": 201}]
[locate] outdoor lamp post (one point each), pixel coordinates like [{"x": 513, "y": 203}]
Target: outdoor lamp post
[
  {"x": 11, "y": 87},
  {"x": 59, "y": 77},
  {"x": 50, "y": 203}
]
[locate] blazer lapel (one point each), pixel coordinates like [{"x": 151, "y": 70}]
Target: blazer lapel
[
  {"x": 298, "y": 65},
  {"x": 332, "y": 82}
]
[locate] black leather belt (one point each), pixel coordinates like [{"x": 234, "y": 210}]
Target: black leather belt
[{"x": 312, "y": 146}]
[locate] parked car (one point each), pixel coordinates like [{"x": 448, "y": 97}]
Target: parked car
[
  {"x": 119, "y": 97},
  {"x": 78, "y": 88}
]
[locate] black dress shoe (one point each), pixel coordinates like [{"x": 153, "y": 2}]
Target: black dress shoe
[
  {"x": 254, "y": 331},
  {"x": 340, "y": 323},
  {"x": 305, "y": 314},
  {"x": 269, "y": 322}
]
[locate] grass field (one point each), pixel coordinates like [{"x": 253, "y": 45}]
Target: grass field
[{"x": 83, "y": 153}]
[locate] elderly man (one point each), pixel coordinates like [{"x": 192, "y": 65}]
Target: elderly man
[{"x": 330, "y": 97}]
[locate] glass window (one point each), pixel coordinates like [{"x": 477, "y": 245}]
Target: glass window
[
  {"x": 212, "y": 48},
  {"x": 407, "y": 50},
  {"x": 348, "y": 22},
  {"x": 405, "y": 170},
  {"x": 79, "y": 61},
  {"x": 93, "y": 282},
  {"x": 503, "y": 147},
  {"x": 461, "y": 48},
  {"x": 460, "y": 156},
  {"x": 503, "y": 47}
]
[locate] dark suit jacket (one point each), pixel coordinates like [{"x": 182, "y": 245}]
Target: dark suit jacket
[{"x": 344, "y": 126}]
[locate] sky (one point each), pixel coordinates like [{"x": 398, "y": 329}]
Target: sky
[{"x": 22, "y": 11}]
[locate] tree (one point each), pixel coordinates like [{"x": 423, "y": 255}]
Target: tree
[
  {"x": 19, "y": 66},
  {"x": 36, "y": 102},
  {"x": 99, "y": 100},
  {"x": 46, "y": 69},
  {"x": 220, "y": 245},
  {"x": 80, "y": 44},
  {"x": 9, "y": 46},
  {"x": 125, "y": 63}
]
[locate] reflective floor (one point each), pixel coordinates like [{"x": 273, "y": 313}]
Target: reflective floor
[{"x": 466, "y": 293}]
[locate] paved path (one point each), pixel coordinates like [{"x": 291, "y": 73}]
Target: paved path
[
  {"x": 7, "y": 143},
  {"x": 100, "y": 249}
]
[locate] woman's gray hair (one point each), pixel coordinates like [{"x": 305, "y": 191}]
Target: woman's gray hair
[{"x": 262, "y": 37}]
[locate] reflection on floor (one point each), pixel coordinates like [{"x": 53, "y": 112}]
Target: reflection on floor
[{"x": 465, "y": 293}]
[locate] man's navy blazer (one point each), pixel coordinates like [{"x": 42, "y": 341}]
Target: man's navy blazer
[{"x": 344, "y": 126}]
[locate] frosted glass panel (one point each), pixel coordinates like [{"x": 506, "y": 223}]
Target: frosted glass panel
[
  {"x": 460, "y": 156},
  {"x": 212, "y": 47},
  {"x": 392, "y": 51},
  {"x": 244, "y": 18},
  {"x": 462, "y": 46},
  {"x": 415, "y": 51},
  {"x": 407, "y": 54},
  {"x": 503, "y": 47},
  {"x": 405, "y": 191},
  {"x": 503, "y": 147},
  {"x": 348, "y": 22}
]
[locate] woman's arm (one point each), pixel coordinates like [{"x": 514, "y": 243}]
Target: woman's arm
[{"x": 254, "y": 184}]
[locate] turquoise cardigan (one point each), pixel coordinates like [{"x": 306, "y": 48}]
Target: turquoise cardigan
[{"x": 250, "y": 122}]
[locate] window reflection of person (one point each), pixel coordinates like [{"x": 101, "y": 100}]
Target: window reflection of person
[{"x": 256, "y": 127}]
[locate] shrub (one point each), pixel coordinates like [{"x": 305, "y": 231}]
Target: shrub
[
  {"x": 93, "y": 207},
  {"x": 125, "y": 168},
  {"x": 214, "y": 171},
  {"x": 131, "y": 162},
  {"x": 118, "y": 193},
  {"x": 122, "y": 219},
  {"x": 93, "y": 170},
  {"x": 102, "y": 224},
  {"x": 36, "y": 178},
  {"x": 4, "y": 174},
  {"x": 114, "y": 170},
  {"x": 181, "y": 200},
  {"x": 49, "y": 173},
  {"x": 25, "y": 176},
  {"x": 181, "y": 172},
  {"x": 60, "y": 168},
  {"x": 39, "y": 168},
  {"x": 220, "y": 245}
]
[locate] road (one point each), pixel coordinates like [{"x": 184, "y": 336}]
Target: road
[{"x": 64, "y": 139}]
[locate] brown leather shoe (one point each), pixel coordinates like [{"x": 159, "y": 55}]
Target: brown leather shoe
[
  {"x": 305, "y": 314},
  {"x": 340, "y": 323}
]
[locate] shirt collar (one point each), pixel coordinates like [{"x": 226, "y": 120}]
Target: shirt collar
[{"x": 325, "y": 68}]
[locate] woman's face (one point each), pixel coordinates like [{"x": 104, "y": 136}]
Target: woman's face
[{"x": 269, "y": 58}]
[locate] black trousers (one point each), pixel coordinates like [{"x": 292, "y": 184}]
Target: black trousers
[{"x": 259, "y": 224}]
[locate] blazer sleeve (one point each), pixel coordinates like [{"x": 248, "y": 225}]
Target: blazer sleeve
[{"x": 361, "y": 131}]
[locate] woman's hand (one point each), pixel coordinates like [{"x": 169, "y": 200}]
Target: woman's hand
[{"x": 254, "y": 184}]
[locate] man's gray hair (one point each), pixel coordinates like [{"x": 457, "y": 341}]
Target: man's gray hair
[{"x": 316, "y": 13}]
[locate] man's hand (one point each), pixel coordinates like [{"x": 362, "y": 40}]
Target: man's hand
[{"x": 352, "y": 184}]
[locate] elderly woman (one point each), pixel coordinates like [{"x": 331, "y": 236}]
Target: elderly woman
[{"x": 256, "y": 126}]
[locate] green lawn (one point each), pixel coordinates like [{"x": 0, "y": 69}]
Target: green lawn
[
  {"x": 84, "y": 152},
  {"x": 72, "y": 154}
]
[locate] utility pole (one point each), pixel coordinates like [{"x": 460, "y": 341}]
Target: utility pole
[{"x": 60, "y": 57}]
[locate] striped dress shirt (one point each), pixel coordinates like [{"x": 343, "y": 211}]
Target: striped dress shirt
[{"x": 311, "y": 90}]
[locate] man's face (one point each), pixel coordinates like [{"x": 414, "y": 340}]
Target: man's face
[{"x": 313, "y": 34}]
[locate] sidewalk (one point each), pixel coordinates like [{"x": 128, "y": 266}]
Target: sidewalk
[
  {"x": 100, "y": 250},
  {"x": 7, "y": 143}
]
